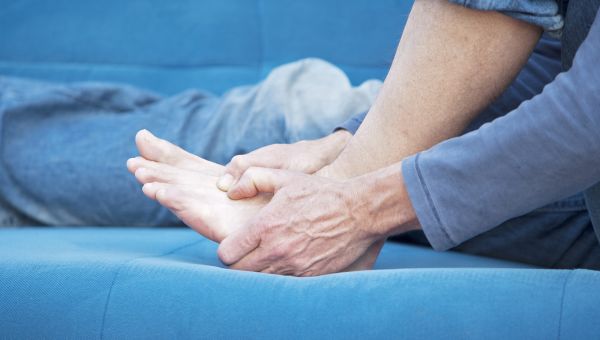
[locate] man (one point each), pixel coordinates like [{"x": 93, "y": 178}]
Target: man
[{"x": 451, "y": 63}]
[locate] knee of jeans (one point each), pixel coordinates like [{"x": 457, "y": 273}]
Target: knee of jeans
[{"x": 571, "y": 203}]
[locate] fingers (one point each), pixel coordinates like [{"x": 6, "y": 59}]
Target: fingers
[
  {"x": 234, "y": 170},
  {"x": 257, "y": 180},
  {"x": 367, "y": 260},
  {"x": 225, "y": 182},
  {"x": 263, "y": 157},
  {"x": 238, "y": 244},
  {"x": 255, "y": 261}
]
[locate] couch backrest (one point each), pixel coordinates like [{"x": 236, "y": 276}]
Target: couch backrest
[{"x": 169, "y": 46}]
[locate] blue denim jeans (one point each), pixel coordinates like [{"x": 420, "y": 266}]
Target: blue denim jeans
[{"x": 63, "y": 147}]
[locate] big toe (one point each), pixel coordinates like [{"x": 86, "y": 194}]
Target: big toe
[
  {"x": 154, "y": 148},
  {"x": 162, "y": 151}
]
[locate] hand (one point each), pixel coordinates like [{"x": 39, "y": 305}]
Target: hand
[
  {"x": 185, "y": 184},
  {"x": 315, "y": 225},
  {"x": 304, "y": 156}
]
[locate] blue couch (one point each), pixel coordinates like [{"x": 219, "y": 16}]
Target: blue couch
[{"x": 168, "y": 283}]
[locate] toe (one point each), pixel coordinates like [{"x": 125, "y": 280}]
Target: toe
[
  {"x": 162, "y": 151},
  {"x": 170, "y": 197},
  {"x": 150, "y": 189},
  {"x": 134, "y": 163},
  {"x": 148, "y": 175},
  {"x": 156, "y": 149}
]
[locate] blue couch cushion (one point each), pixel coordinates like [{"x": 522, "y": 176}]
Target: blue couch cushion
[
  {"x": 168, "y": 283},
  {"x": 207, "y": 44}
]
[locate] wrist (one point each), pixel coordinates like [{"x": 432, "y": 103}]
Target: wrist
[
  {"x": 333, "y": 144},
  {"x": 384, "y": 200}
]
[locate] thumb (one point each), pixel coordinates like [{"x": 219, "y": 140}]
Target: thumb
[
  {"x": 238, "y": 244},
  {"x": 257, "y": 180}
]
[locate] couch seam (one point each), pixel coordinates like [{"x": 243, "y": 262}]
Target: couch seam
[
  {"x": 562, "y": 302},
  {"x": 114, "y": 280},
  {"x": 123, "y": 64}
]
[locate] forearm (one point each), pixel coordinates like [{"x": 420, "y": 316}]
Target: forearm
[
  {"x": 451, "y": 62},
  {"x": 545, "y": 150}
]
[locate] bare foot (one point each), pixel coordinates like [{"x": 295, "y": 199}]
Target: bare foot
[
  {"x": 194, "y": 197},
  {"x": 186, "y": 184},
  {"x": 161, "y": 151}
]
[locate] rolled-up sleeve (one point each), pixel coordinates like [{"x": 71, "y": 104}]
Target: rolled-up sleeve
[
  {"x": 353, "y": 123},
  {"x": 545, "y": 150},
  {"x": 543, "y": 13}
]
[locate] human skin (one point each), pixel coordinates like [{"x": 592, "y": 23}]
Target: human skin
[
  {"x": 304, "y": 156},
  {"x": 186, "y": 184},
  {"x": 450, "y": 63},
  {"x": 162, "y": 165}
]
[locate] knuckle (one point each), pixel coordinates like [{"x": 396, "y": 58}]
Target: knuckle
[
  {"x": 252, "y": 173},
  {"x": 238, "y": 162},
  {"x": 266, "y": 225},
  {"x": 242, "y": 192},
  {"x": 278, "y": 252}
]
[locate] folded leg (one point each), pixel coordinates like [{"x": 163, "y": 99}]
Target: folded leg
[{"x": 63, "y": 148}]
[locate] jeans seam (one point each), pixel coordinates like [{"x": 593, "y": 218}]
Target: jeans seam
[
  {"x": 106, "y": 304},
  {"x": 562, "y": 302}
]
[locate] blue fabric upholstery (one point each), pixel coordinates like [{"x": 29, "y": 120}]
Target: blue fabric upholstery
[
  {"x": 167, "y": 283},
  {"x": 207, "y": 44}
]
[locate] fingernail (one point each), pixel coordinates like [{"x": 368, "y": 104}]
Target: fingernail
[{"x": 225, "y": 182}]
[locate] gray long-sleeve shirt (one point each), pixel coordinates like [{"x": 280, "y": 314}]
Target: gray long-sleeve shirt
[{"x": 546, "y": 149}]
